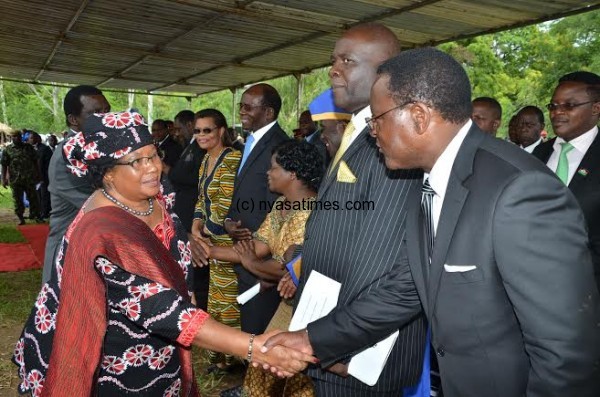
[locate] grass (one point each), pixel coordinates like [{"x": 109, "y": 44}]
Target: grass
[
  {"x": 5, "y": 197},
  {"x": 18, "y": 291},
  {"x": 10, "y": 234}
]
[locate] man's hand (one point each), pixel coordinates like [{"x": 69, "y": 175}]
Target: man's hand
[
  {"x": 286, "y": 287},
  {"x": 297, "y": 340},
  {"x": 200, "y": 250},
  {"x": 236, "y": 231},
  {"x": 247, "y": 253},
  {"x": 281, "y": 360},
  {"x": 339, "y": 369}
]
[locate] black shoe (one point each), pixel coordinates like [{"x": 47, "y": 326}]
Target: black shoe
[
  {"x": 21, "y": 220},
  {"x": 236, "y": 391}
]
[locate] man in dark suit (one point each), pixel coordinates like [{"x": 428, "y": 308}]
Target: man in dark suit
[
  {"x": 259, "y": 109},
  {"x": 184, "y": 178},
  {"x": 311, "y": 133},
  {"x": 574, "y": 113},
  {"x": 360, "y": 247},
  {"x": 67, "y": 191},
  {"x": 496, "y": 247},
  {"x": 168, "y": 148},
  {"x": 44, "y": 154}
]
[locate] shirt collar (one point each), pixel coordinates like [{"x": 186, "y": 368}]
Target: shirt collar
[
  {"x": 530, "y": 148},
  {"x": 259, "y": 133},
  {"x": 164, "y": 139},
  {"x": 440, "y": 173},
  {"x": 582, "y": 143},
  {"x": 358, "y": 119}
]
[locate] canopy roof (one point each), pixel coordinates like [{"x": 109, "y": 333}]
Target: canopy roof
[{"x": 199, "y": 46}]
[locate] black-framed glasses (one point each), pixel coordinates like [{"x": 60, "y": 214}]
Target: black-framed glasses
[
  {"x": 140, "y": 162},
  {"x": 371, "y": 120},
  {"x": 565, "y": 107},
  {"x": 204, "y": 131},
  {"x": 248, "y": 108}
]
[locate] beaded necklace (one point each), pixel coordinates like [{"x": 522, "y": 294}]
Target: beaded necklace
[{"x": 126, "y": 208}]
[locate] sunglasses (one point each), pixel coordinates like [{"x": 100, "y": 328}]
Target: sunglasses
[{"x": 204, "y": 131}]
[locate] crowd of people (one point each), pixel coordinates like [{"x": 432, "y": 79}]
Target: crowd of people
[{"x": 485, "y": 259}]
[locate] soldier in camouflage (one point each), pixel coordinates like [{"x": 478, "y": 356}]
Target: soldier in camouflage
[{"x": 20, "y": 171}]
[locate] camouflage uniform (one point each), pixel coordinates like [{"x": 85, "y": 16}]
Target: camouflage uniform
[{"x": 22, "y": 163}]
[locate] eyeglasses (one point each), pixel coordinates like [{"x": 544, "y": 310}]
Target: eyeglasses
[
  {"x": 204, "y": 131},
  {"x": 248, "y": 108},
  {"x": 140, "y": 162},
  {"x": 565, "y": 107},
  {"x": 371, "y": 120}
]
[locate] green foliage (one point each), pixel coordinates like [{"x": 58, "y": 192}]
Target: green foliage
[
  {"x": 10, "y": 234},
  {"x": 17, "y": 295},
  {"x": 517, "y": 67}
]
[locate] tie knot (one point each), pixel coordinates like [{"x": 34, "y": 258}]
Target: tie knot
[
  {"x": 566, "y": 147},
  {"x": 426, "y": 189}
]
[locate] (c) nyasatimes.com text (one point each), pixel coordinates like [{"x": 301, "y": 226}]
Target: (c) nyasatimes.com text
[{"x": 304, "y": 205}]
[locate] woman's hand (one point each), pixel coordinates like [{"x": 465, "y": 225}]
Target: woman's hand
[
  {"x": 200, "y": 248},
  {"x": 247, "y": 253},
  {"x": 286, "y": 286},
  {"x": 281, "y": 360},
  {"x": 236, "y": 231}
]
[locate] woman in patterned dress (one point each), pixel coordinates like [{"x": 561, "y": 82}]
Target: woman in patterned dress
[
  {"x": 215, "y": 187},
  {"x": 125, "y": 321},
  {"x": 296, "y": 172}
]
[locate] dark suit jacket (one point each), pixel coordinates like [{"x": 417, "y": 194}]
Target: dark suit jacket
[
  {"x": 250, "y": 195},
  {"x": 586, "y": 189},
  {"x": 360, "y": 248},
  {"x": 184, "y": 178},
  {"x": 67, "y": 195},
  {"x": 171, "y": 151}
]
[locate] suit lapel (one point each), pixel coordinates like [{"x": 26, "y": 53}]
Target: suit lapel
[
  {"x": 256, "y": 152},
  {"x": 590, "y": 161},
  {"x": 417, "y": 257},
  {"x": 544, "y": 150},
  {"x": 456, "y": 195},
  {"x": 331, "y": 177}
]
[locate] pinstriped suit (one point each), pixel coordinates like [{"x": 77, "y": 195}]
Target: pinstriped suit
[{"x": 359, "y": 248}]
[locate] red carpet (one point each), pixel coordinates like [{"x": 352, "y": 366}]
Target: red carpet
[{"x": 25, "y": 256}]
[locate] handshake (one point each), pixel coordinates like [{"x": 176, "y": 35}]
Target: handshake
[{"x": 287, "y": 353}]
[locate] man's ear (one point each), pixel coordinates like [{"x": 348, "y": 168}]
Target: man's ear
[
  {"x": 73, "y": 122},
  {"x": 421, "y": 116},
  {"x": 270, "y": 113},
  {"x": 596, "y": 108},
  {"x": 496, "y": 124}
]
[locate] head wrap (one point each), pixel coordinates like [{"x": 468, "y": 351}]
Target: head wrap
[
  {"x": 106, "y": 137},
  {"x": 323, "y": 108}
]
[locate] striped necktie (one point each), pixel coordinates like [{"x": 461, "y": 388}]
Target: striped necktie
[{"x": 427, "y": 208}]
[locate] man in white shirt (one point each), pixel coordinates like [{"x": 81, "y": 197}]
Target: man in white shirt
[
  {"x": 529, "y": 125},
  {"x": 574, "y": 155}
]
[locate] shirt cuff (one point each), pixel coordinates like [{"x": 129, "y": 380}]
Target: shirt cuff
[{"x": 186, "y": 337}]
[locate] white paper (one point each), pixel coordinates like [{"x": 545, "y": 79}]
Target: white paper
[
  {"x": 319, "y": 297},
  {"x": 367, "y": 365},
  {"x": 249, "y": 294}
]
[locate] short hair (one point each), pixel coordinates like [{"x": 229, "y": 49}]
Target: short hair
[
  {"x": 72, "y": 102},
  {"x": 538, "y": 112},
  {"x": 185, "y": 116},
  {"x": 592, "y": 80},
  {"x": 220, "y": 122},
  {"x": 303, "y": 159},
  {"x": 161, "y": 123},
  {"x": 271, "y": 98},
  {"x": 431, "y": 76},
  {"x": 493, "y": 103}
]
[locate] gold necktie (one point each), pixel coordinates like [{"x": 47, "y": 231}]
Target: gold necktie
[{"x": 343, "y": 145}]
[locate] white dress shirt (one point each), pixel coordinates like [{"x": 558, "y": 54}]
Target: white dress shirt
[
  {"x": 581, "y": 144},
  {"x": 258, "y": 134},
  {"x": 529, "y": 149},
  {"x": 440, "y": 173},
  {"x": 359, "y": 122}
]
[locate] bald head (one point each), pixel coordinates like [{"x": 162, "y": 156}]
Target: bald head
[{"x": 355, "y": 59}]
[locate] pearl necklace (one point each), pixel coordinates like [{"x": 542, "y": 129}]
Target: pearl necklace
[{"x": 126, "y": 208}]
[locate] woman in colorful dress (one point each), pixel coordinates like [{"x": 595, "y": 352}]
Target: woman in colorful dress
[
  {"x": 215, "y": 187},
  {"x": 125, "y": 321},
  {"x": 296, "y": 172}
]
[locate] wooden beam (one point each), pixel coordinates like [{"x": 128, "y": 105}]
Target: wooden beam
[{"x": 61, "y": 37}]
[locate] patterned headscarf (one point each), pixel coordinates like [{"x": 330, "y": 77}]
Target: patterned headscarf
[{"x": 106, "y": 137}]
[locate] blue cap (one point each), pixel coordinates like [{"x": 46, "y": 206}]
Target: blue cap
[{"x": 323, "y": 108}]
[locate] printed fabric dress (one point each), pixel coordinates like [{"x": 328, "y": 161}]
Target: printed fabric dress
[
  {"x": 125, "y": 320},
  {"x": 214, "y": 199},
  {"x": 279, "y": 233}
]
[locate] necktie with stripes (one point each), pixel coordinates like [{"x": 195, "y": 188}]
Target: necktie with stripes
[{"x": 426, "y": 207}]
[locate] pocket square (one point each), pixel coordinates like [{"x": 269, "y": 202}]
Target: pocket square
[
  {"x": 458, "y": 269},
  {"x": 344, "y": 173}
]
